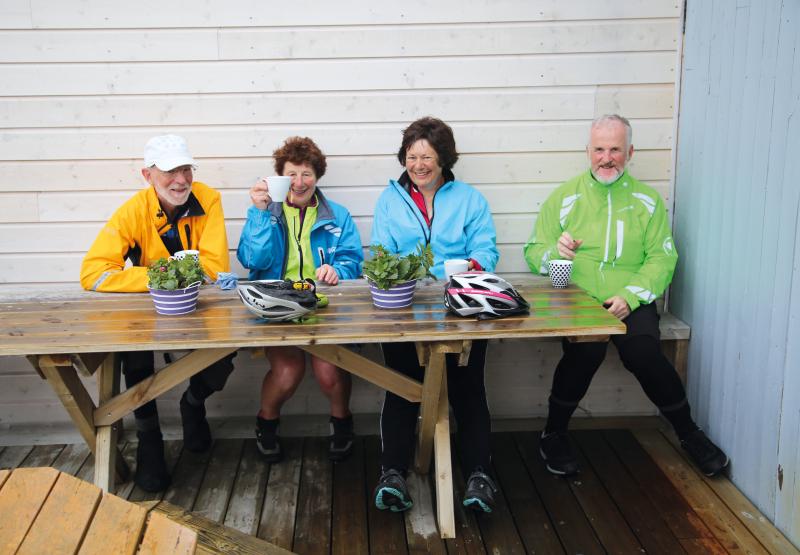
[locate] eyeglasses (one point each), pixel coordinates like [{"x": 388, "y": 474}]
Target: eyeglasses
[{"x": 424, "y": 159}]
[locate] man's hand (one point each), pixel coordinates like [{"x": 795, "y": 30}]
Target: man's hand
[
  {"x": 567, "y": 246},
  {"x": 259, "y": 194},
  {"x": 617, "y": 306},
  {"x": 326, "y": 274}
]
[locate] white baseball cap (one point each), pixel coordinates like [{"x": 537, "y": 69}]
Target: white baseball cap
[{"x": 167, "y": 152}]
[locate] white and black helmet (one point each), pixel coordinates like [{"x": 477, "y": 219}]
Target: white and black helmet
[
  {"x": 277, "y": 300},
  {"x": 483, "y": 295}
]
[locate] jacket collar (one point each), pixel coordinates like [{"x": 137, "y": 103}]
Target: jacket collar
[
  {"x": 324, "y": 210},
  {"x": 191, "y": 207}
]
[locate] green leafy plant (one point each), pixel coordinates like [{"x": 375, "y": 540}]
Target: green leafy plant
[
  {"x": 386, "y": 268},
  {"x": 170, "y": 273}
]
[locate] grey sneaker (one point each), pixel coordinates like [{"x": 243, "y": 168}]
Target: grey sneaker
[
  {"x": 392, "y": 492},
  {"x": 480, "y": 492}
]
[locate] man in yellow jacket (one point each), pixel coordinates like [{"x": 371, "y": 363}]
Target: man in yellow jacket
[{"x": 173, "y": 213}]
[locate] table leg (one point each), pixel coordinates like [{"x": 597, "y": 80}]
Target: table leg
[
  {"x": 429, "y": 409},
  {"x": 108, "y": 460},
  {"x": 62, "y": 377},
  {"x": 445, "y": 512}
]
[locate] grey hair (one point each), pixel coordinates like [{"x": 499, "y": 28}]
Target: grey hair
[{"x": 608, "y": 118}]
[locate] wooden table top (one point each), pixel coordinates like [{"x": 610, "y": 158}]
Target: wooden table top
[{"x": 65, "y": 319}]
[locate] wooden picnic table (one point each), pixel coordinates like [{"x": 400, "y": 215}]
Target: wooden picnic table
[
  {"x": 43, "y": 510},
  {"x": 65, "y": 332}
]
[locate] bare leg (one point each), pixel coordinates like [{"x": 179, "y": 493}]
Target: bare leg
[
  {"x": 287, "y": 366},
  {"x": 335, "y": 383}
]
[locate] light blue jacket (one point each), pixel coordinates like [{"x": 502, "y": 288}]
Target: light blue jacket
[
  {"x": 461, "y": 227},
  {"x": 334, "y": 240}
]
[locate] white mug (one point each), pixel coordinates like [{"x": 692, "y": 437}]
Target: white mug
[
  {"x": 180, "y": 255},
  {"x": 278, "y": 186},
  {"x": 455, "y": 266},
  {"x": 560, "y": 271}
]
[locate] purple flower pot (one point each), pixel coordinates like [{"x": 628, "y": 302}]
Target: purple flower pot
[
  {"x": 398, "y": 296},
  {"x": 177, "y": 302}
]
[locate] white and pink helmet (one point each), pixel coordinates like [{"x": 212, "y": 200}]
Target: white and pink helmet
[{"x": 483, "y": 295}]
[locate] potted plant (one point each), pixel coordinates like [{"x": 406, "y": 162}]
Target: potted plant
[
  {"x": 392, "y": 278},
  {"x": 174, "y": 284}
]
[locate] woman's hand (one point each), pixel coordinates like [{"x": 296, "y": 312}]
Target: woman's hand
[
  {"x": 326, "y": 274},
  {"x": 259, "y": 194}
]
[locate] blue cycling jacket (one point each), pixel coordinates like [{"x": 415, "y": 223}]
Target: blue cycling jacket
[
  {"x": 461, "y": 226},
  {"x": 334, "y": 240}
]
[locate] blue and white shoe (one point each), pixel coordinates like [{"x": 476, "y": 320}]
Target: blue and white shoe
[
  {"x": 480, "y": 492},
  {"x": 392, "y": 492}
]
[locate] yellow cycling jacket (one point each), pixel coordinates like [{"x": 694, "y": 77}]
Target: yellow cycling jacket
[{"x": 134, "y": 232}]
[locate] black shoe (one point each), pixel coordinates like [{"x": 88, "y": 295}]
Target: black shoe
[
  {"x": 151, "y": 468},
  {"x": 341, "y": 438},
  {"x": 196, "y": 433},
  {"x": 267, "y": 439},
  {"x": 708, "y": 457},
  {"x": 557, "y": 453},
  {"x": 392, "y": 492},
  {"x": 480, "y": 492}
]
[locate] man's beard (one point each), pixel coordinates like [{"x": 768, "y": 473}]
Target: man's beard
[{"x": 609, "y": 181}]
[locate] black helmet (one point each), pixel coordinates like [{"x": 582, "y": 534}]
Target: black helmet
[{"x": 277, "y": 300}]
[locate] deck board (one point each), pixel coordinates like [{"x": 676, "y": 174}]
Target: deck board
[{"x": 636, "y": 491}]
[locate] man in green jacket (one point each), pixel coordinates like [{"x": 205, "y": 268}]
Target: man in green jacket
[{"x": 615, "y": 230}]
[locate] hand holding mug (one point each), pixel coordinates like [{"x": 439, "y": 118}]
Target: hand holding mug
[{"x": 259, "y": 194}]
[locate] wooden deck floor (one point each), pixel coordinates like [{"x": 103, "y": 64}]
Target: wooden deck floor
[{"x": 636, "y": 494}]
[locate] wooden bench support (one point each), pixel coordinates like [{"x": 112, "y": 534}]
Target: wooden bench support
[
  {"x": 361, "y": 366},
  {"x": 147, "y": 390},
  {"x": 213, "y": 537}
]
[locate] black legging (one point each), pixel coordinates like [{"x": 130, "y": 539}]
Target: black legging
[
  {"x": 640, "y": 352},
  {"x": 467, "y": 396},
  {"x": 138, "y": 365}
]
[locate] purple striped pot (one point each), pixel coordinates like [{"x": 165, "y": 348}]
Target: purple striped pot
[
  {"x": 398, "y": 296},
  {"x": 177, "y": 302}
]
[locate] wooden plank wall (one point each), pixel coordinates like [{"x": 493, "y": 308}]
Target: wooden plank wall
[
  {"x": 736, "y": 219},
  {"x": 84, "y": 84}
]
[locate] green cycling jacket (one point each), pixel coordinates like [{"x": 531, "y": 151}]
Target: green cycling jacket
[{"x": 627, "y": 245}]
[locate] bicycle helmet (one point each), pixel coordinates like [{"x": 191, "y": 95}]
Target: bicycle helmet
[
  {"x": 483, "y": 295},
  {"x": 276, "y": 300}
]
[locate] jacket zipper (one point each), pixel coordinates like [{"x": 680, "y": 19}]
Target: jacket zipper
[{"x": 608, "y": 228}]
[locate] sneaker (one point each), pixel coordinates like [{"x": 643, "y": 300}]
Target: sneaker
[
  {"x": 267, "y": 439},
  {"x": 151, "y": 468},
  {"x": 708, "y": 457},
  {"x": 557, "y": 453},
  {"x": 392, "y": 492},
  {"x": 196, "y": 433},
  {"x": 341, "y": 438},
  {"x": 480, "y": 492}
]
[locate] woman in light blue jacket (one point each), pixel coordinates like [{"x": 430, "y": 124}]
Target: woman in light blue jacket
[
  {"x": 427, "y": 205},
  {"x": 307, "y": 236}
]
